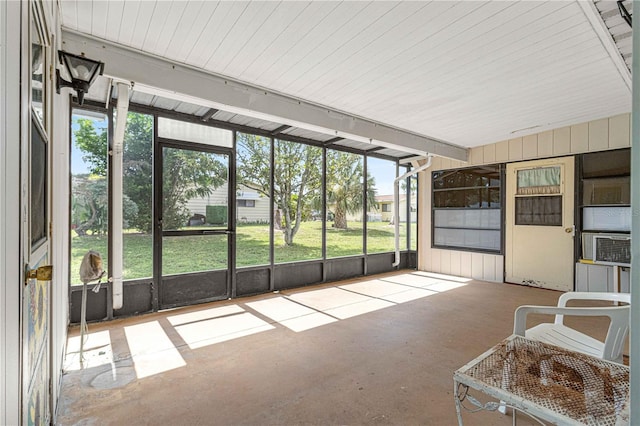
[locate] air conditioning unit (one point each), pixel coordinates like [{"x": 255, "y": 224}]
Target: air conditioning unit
[
  {"x": 612, "y": 250},
  {"x": 587, "y": 242}
]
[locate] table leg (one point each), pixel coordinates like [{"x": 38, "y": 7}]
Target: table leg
[{"x": 456, "y": 397}]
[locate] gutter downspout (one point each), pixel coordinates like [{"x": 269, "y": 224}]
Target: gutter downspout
[
  {"x": 396, "y": 205},
  {"x": 116, "y": 203}
]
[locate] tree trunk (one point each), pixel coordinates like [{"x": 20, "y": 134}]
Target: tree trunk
[{"x": 340, "y": 217}]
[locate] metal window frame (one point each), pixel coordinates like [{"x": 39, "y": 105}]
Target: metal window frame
[{"x": 369, "y": 262}]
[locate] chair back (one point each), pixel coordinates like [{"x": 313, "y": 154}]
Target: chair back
[{"x": 620, "y": 318}]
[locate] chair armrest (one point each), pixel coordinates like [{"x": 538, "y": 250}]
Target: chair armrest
[
  {"x": 520, "y": 316},
  {"x": 585, "y": 295}
]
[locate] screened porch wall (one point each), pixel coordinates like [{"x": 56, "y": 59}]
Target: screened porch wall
[{"x": 593, "y": 136}]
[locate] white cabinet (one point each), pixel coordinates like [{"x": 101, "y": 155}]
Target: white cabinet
[{"x": 590, "y": 277}]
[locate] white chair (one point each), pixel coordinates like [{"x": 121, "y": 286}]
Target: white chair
[{"x": 558, "y": 334}]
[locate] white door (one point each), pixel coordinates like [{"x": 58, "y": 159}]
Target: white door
[{"x": 539, "y": 223}]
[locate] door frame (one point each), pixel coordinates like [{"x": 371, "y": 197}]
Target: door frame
[
  {"x": 159, "y": 233},
  {"x": 568, "y": 192},
  {"x": 37, "y": 345}
]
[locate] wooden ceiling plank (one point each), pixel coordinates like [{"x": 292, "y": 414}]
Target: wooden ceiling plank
[
  {"x": 279, "y": 49},
  {"x": 159, "y": 16},
  {"x": 268, "y": 30},
  {"x": 194, "y": 31},
  {"x": 339, "y": 47},
  {"x": 340, "y": 16},
  {"x": 99, "y": 13},
  {"x": 143, "y": 21},
  {"x": 242, "y": 30},
  {"x": 215, "y": 31},
  {"x": 190, "y": 15}
]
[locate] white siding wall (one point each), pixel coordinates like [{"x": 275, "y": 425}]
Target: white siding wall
[
  {"x": 219, "y": 197},
  {"x": 598, "y": 135}
]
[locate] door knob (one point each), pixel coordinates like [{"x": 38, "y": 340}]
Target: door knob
[{"x": 43, "y": 273}]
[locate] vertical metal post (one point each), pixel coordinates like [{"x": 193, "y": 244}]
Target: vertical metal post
[
  {"x": 156, "y": 230},
  {"x": 109, "y": 286},
  {"x": 272, "y": 282},
  {"x": 634, "y": 284},
  {"x": 324, "y": 214},
  {"x": 364, "y": 211},
  {"x": 231, "y": 225}
]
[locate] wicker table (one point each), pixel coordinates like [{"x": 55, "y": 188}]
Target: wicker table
[{"x": 546, "y": 382}]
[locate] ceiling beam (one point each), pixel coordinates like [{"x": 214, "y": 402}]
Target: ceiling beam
[
  {"x": 606, "y": 39},
  {"x": 207, "y": 115},
  {"x": 280, "y": 129},
  {"x": 332, "y": 141},
  {"x": 162, "y": 77}
]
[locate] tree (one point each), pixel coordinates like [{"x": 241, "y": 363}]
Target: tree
[
  {"x": 297, "y": 177},
  {"x": 187, "y": 174},
  {"x": 89, "y": 208},
  {"x": 345, "y": 186}
]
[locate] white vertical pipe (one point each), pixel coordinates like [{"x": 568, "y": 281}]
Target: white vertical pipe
[
  {"x": 396, "y": 204},
  {"x": 634, "y": 282},
  {"x": 116, "y": 201}
]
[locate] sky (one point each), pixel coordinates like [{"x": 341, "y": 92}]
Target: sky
[{"x": 78, "y": 165}]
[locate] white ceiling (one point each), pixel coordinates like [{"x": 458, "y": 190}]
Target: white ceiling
[{"x": 465, "y": 72}]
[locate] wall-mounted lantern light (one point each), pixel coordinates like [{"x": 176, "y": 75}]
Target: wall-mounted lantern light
[{"x": 83, "y": 72}]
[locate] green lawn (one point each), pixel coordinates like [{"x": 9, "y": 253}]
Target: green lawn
[{"x": 199, "y": 253}]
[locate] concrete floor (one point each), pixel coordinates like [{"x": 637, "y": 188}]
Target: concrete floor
[{"x": 376, "y": 350}]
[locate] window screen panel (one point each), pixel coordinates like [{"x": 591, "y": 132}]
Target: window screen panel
[
  {"x": 467, "y": 238},
  {"x": 539, "y": 211}
]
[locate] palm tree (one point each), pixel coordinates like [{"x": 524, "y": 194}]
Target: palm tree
[{"x": 344, "y": 186}]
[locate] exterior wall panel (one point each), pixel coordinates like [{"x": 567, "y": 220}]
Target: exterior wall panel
[{"x": 598, "y": 135}]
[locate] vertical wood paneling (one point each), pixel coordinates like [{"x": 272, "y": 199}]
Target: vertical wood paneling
[
  {"x": 435, "y": 260},
  {"x": 476, "y": 155},
  {"x": 625, "y": 277},
  {"x": 477, "y": 266},
  {"x": 545, "y": 144},
  {"x": 445, "y": 261},
  {"x": 445, "y": 163},
  {"x": 489, "y": 267},
  {"x": 562, "y": 141},
  {"x": 465, "y": 264},
  {"x": 580, "y": 138},
  {"x": 619, "y": 131},
  {"x": 436, "y": 164},
  {"x": 489, "y": 152},
  {"x": 515, "y": 149},
  {"x": 530, "y": 147},
  {"x": 599, "y": 278},
  {"x": 502, "y": 152},
  {"x": 499, "y": 268},
  {"x": 598, "y": 135},
  {"x": 582, "y": 277},
  {"x": 455, "y": 263}
]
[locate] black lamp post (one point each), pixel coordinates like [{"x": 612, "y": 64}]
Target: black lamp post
[{"x": 83, "y": 72}]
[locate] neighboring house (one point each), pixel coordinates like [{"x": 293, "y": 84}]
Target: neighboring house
[
  {"x": 251, "y": 207},
  {"x": 385, "y": 209}
]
